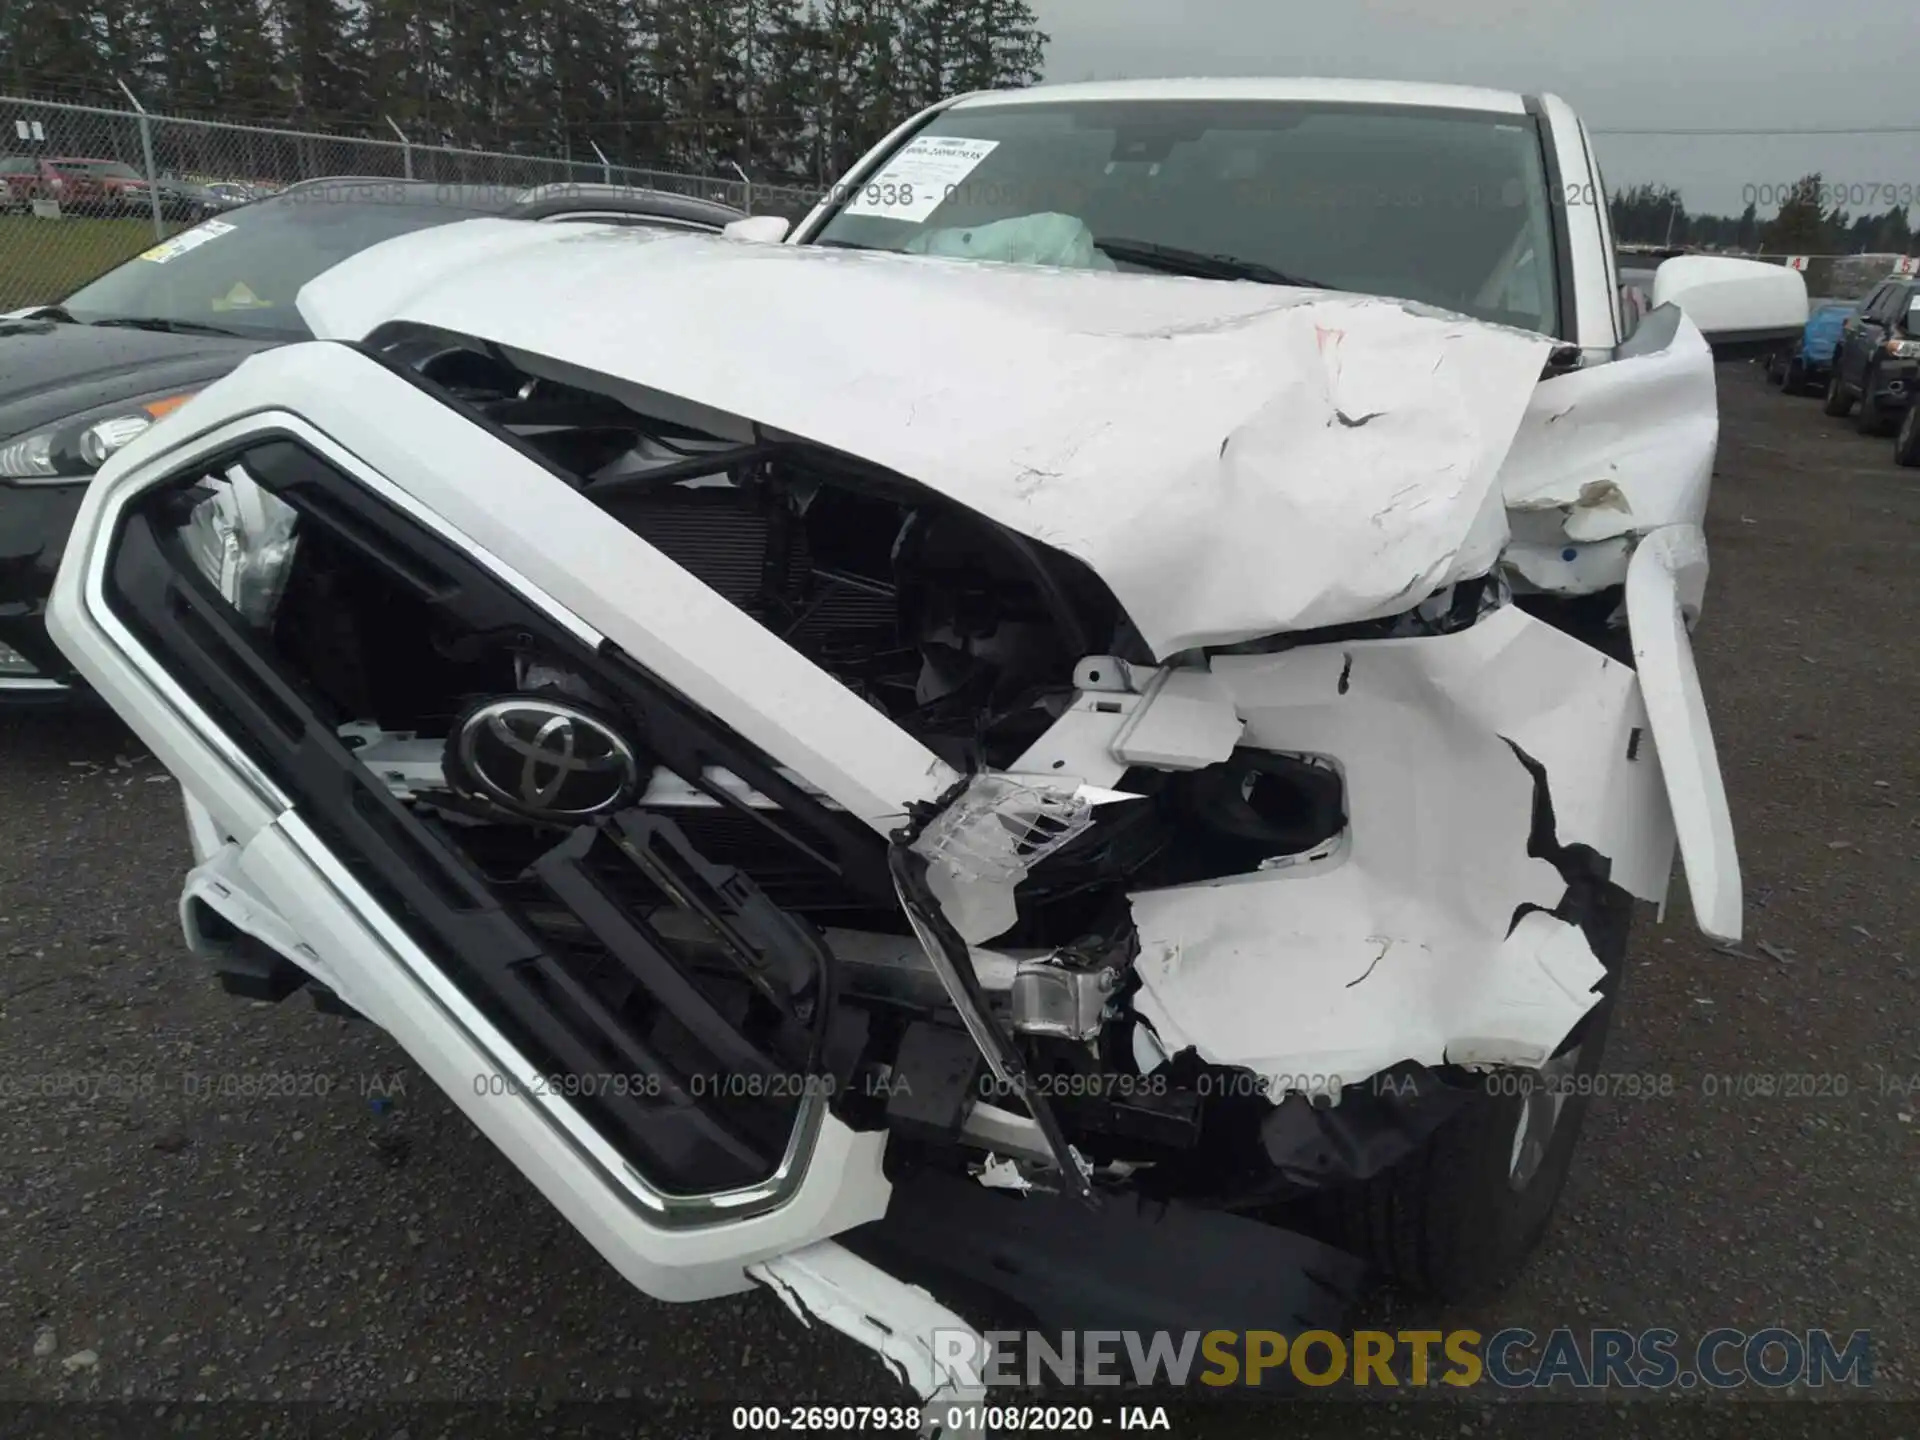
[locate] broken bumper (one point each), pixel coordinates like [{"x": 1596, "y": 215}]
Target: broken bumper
[{"x": 1489, "y": 780}]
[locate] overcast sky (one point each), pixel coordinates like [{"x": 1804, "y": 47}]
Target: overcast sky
[{"x": 1623, "y": 64}]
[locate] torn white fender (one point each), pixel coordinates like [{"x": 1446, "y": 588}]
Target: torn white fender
[
  {"x": 1612, "y": 450},
  {"x": 1609, "y": 452},
  {"x": 924, "y": 1345},
  {"x": 1403, "y": 944},
  {"x": 1232, "y": 460},
  {"x": 1665, "y": 583},
  {"x": 1624, "y": 446}
]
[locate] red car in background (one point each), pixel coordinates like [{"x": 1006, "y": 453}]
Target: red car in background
[{"x": 81, "y": 185}]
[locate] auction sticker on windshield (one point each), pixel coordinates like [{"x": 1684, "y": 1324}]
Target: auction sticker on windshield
[
  {"x": 920, "y": 176},
  {"x": 186, "y": 240}
]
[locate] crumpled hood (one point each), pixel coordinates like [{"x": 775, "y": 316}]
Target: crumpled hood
[{"x": 1233, "y": 460}]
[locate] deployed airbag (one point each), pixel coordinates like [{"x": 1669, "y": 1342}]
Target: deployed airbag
[{"x": 1047, "y": 239}]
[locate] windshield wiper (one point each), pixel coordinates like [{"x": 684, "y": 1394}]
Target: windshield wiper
[
  {"x": 165, "y": 327},
  {"x": 1172, "y": 260},
  {"x": 36, "y": 322}
]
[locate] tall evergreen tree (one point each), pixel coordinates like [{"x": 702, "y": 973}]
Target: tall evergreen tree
[
  {"x": 787, "y": 89},
  {"x": 1801, "y": 227}
]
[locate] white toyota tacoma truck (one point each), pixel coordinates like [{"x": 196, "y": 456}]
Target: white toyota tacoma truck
[{"x": 1077, "y": 739}]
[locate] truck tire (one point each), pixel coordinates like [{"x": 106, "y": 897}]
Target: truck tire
[
  {"x": 1457, "y": 1219},
  {"x": 1838, "y": 401},
  {"x": 1906, "y": 444},
  {"x": 1871, "y": 419}
]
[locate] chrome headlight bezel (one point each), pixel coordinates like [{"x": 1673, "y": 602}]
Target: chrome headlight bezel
[{"x": 71, "y": 449}]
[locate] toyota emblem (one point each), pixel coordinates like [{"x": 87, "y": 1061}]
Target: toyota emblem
[{"x": 546, "y": 760}]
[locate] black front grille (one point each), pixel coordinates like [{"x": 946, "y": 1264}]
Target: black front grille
[
  {"x": 692, "y": 1064},
  {"x": 790, "y": 880}
]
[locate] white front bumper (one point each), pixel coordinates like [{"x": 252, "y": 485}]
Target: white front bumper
[{"x": 1400, "y": 946}]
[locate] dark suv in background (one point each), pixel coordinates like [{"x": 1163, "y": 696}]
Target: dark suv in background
[{"x": 1877, "y": 361}]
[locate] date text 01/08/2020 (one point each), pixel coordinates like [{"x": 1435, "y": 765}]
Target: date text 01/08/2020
[
  {"x": 700, "y": 1086},
  {"x": 972, "y": 1416}
]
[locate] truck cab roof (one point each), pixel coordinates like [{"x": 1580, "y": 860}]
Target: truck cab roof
[{"x": 1278, "y": 88}]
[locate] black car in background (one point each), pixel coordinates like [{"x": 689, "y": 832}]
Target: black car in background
[
  {"x": 1877, "y": 361},
  {"x": 81, "y": 378},
  {"x": 185, "y": 200}
]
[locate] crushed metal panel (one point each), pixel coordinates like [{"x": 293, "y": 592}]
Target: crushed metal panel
[
  {"x": 1321, "y": 981},
  {"x": 1403, "y": 945},
  {"x": 1234, "y": 460},
  {"x": 1581, "y": 715}
]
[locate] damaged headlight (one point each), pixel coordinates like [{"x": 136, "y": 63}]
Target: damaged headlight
[
  {"x": 999, "y": 828},
  {"x": 72, "y": 449},
  {"x": 242, "y": 539}
]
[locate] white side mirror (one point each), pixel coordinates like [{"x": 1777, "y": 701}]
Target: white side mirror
[
  {"x": 763, "y": 229},
  {"x": 1740, "y": 306}
]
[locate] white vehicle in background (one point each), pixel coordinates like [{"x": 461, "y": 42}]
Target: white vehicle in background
[{"x": 858, "y": 767}]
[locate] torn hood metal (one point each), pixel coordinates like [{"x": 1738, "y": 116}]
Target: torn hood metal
[{"x": 1233, "y": 460}]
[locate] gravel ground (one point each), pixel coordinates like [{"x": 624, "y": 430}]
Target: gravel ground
[{"x": 356, "y": 1241}]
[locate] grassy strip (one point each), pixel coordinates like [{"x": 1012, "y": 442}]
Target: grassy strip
[{"x": 42, "y": 261}]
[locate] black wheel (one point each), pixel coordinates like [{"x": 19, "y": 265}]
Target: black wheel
[
  {"x": 1838, "y": 401},
  {"x": 1906, "y": 444},
  {"x": 1458, "y": 1218},
  {"x": 1871, "y": 419},
  {"x": 1795, "y": 382}
]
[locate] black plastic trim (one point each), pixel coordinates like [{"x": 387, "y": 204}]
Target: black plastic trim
[
  {"x": 682, "y": 1140},
  {"x": 1566, "y": 301},
  {"x": 1131, "y": 1265}
]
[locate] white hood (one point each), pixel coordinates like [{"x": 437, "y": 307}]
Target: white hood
[{"x": 1233, "y": 460}]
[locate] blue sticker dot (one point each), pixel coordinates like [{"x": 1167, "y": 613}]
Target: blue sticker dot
[{"x": 1569, "y": 554}]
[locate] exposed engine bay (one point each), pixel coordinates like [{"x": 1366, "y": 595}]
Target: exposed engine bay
[
  {"x": 953, "y": 791},
  {"x": 974, "y": 640},
  {"x": 688, "y": 922}
]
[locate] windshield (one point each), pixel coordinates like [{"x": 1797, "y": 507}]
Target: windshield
[
  {"x": 241, "y": 272},
  {"x": 1441, "y": 206}
]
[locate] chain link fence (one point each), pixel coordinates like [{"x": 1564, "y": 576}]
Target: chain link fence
[{"x": 83, "y": 188}]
